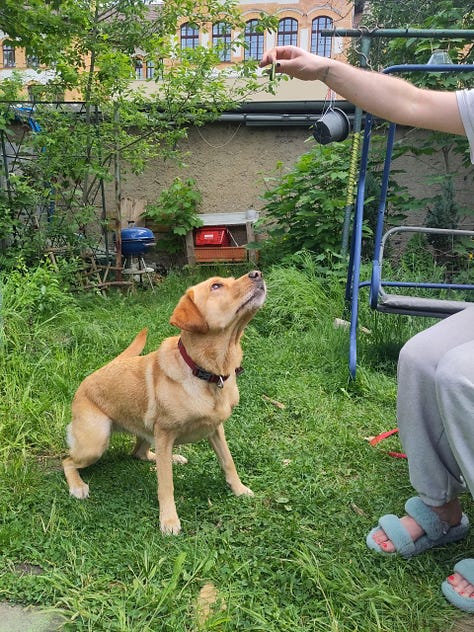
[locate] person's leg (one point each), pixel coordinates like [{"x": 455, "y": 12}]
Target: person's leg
[
  {"x": 455, "y": 395},
  {"x": 433, "y": 468},
  {"x": 434, "y": 471},
  {"x": 454, "y": 381}
]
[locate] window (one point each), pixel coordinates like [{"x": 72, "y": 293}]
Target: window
[
  {"x": 189, "y": 36},
  {"x": 221, "y": 40},
  {"x": 138, "y": 69},
  {"x": 253, "y": 40},
  {"x": 32, "y": 60},
  {"x": 8, "y": 56},
  {"x": 150, "y": 69},
  {"x": 319, "y": 44},
  {"x": 287, "y": 32}
]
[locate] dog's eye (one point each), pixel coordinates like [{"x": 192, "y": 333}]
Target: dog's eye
[{"x": 216, "y": 286}]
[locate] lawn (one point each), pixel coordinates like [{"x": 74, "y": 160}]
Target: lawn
[{"x": 293, "y": 557}]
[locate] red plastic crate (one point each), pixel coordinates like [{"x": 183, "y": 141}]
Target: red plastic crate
[{"x": 212, "y": 236}]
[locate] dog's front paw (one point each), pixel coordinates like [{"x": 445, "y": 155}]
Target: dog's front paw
[
  {"x": 170, "y": 526},
  {"x": 242, "y": 490},
  {"x": 80, "y": 491}
]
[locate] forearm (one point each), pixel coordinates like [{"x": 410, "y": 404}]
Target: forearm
[
  {"x": 384, "y": 95},
  {"x": 392, "y": 98}
]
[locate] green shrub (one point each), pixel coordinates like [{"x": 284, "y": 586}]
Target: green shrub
[
  {"x": 177, "y": 210},
  {"x": 32, "y": 296},
  {"x": 305, "y": 208}
]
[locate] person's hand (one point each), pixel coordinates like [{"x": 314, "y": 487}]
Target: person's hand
[{"x": 295, "y": 62}]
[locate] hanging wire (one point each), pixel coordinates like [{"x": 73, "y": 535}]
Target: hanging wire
[{"x": 229, "y": 140}]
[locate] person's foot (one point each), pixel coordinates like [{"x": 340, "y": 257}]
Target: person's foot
[
  {"x": 461, "y": 585},
  {"x": 451, "y": 514},
  {"x": 413, "y": 528},
  {"x": 458, "y": 588}
]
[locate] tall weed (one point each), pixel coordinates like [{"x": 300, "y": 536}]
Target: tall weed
[
  {"x": 299, "y": 296},
  {"x": 32, "y": 296}
]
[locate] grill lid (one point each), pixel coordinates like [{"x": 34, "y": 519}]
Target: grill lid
[{"x": 137, "y": 233}]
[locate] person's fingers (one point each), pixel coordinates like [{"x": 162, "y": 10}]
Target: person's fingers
[
  {"x": 279, "y": 53},
  {"x": 268, "y": 58}
]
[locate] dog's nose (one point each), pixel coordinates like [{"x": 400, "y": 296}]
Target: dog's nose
[{"x": 255, "y": 274}]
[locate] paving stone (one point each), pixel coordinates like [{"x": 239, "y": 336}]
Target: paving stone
[{"x": 19, "y": 619}]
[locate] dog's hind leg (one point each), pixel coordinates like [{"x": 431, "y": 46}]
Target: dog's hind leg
[
  {"x": 142, "y": 450},
  {"x": 88, "y": 438},
  {"x": 219, "y": 445}
]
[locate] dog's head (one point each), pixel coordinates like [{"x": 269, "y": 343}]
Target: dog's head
[{"x": 219, "y": 303}]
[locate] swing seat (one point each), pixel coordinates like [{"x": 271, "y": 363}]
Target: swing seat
[
  {"x": 419, "y": 306},
  {"x": 411, "y": 305}
]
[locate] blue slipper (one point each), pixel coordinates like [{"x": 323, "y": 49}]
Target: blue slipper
[
  {"x": 466, "y": 569},
  {"x": 436, "y": 531}
]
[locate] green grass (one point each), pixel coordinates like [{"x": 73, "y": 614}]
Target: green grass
[{"x": 291, "y": 558}]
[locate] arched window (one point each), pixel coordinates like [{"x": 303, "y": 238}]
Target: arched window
[
  {"x": 150, "y": 69},
  {"x": 253, "y": 40},
  {"x": 32, "y": 60},
  {"x": 321, "y": 45},
  {"x": 189, "y": 36},
  {"x": 287, "y": 32},
  {"x": 8, "y": 56},
  {"x": 221, "y": 39},
  {"x": 138, "y": 68}
]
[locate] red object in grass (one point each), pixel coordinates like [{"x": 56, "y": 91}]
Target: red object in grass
[{"x": 384, "y": 435}]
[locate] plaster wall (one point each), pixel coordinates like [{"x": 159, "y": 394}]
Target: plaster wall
[{"x": 230, "y": 162}]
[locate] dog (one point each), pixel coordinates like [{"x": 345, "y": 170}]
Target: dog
[{"x": 180, "y": 393}]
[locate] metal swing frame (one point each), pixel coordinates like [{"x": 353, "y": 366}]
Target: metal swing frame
[{"x": 379, "y": 298}]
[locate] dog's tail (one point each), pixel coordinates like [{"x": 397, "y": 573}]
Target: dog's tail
[{"x": 136, "y": 346}]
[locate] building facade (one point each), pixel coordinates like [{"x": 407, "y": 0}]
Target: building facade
[{"x": 300, "y": 23}]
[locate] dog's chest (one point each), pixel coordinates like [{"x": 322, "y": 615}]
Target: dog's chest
[
  {"x": 191, "y": 433},
  {"x": 197, "y": 415}
]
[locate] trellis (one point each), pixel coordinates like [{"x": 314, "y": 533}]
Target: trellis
[{"x": 63, "y": 204}]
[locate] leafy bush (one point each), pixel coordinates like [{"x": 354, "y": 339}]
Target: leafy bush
[
  {"x": 34, "y": 294},
  {"x": 177, "y": 210},
  {"x": 305, "y": 208}
]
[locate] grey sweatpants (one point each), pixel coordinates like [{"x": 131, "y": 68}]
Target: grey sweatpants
[{"x": 435, "y": 408}]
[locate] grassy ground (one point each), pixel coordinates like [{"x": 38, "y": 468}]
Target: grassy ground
[{"x": 291, "y": 558}]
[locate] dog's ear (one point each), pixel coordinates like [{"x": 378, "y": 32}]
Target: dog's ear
[{"x": 187, "y": 316}]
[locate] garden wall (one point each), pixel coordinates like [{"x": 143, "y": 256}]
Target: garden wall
[{"x": 230, "y": 162}]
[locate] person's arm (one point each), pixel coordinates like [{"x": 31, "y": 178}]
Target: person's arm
[{"x": 383, "y": 95}]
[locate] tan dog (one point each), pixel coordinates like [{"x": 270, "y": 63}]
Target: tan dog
[{"x": 180, "y": 393}]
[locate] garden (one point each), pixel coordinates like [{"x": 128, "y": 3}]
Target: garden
[{"x": 293, "y": 556}]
